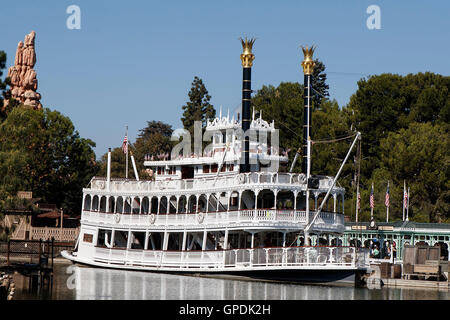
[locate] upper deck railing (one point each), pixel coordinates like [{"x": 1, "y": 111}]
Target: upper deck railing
[{"x": 260, "y": 178}]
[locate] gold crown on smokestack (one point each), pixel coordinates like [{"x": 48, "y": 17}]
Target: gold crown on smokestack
[
  {"x": 308, "y": 63},
  {"x": 247, "y": 56}
]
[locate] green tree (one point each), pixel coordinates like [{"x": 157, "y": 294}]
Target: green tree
[
  {"x": 3, "y": 83},
  {"x": 420, "y": 155},
  {"x": 319, "y": 84},
  {"x": 40, "y": 151},
  {"x": 198, "y": 107},
  {"x": 387, "y": 103}
]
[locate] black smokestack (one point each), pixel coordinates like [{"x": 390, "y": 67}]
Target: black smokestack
[
  {"x": 308, "y": 68},
  {"x": 247, "y": 58}
]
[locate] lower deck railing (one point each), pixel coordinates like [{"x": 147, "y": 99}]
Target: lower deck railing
[
  {"x": 315, "y": 257},
  {"x": 326, "y": 220}
]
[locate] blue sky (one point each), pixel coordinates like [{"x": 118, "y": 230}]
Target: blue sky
[{"x": 134, "y": 61}]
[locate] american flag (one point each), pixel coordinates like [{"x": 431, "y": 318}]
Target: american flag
[
  {"x": 386, "y": 201},
  {"x": 372, "y": 201},
  {"x": 125, "y": 145}
]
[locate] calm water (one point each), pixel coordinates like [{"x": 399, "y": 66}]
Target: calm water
[{"x": 84, "y": 283}]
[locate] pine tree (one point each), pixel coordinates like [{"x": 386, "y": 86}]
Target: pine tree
[
  {"x": 320, "y": 87},
  {"x": 198, "y": 107}
]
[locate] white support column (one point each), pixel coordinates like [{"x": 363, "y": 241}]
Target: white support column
[
  {"x": 158, "y": 204},
  {"x": 229, "y": 199},
  {"x": 176, "y": 208},
  {"x": 146, "y": 240},
  {"x": 168, "y": 205},
  {"x": 166, "y": 240},
  {"x": 275, "y": 193},
  {"x": 183, "y": 247},
  {"x": 284, "y": 239},
  {"x": 197, "y": 198},
  {"x": 253, "y": 240},
  {"x": 334, "y": 202},
  {"x": 256, "y": 203},
  {"x": 239, "y": 200},
  {"x": 129, "y": 240},
  {"x": 207, "y": 202},
  {"x": 107, "y": 204},
  {"x": 204, "y": 240},
  {"x": 225, "y": 240},
  {"x": 218, "y": 201},
  {"x": 295, "y": 201}
]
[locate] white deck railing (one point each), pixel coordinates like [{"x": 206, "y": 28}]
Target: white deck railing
[
  {"x": 176, "y": 184},
  {"x": 305, "y": 257},
  {"x": 326, "y": 220}
]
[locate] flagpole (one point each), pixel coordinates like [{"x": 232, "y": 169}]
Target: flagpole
[
  {"x": 407, "y": 209},
  {"x": 357, "y": 199},
  {"x": 371, "y": 206},
  {"x": 403, "y": 202},
  {"x": 126, "y": 161},
  {"x": 387, "y": 207}
]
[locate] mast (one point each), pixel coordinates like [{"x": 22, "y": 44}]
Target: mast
[
  {"x": 308, "y": 68},
  {"x": 126, "y": 157},
  {"x": 247, "y": 58}
]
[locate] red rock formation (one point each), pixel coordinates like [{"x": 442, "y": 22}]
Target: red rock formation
[{"x": 24, "y": 81}]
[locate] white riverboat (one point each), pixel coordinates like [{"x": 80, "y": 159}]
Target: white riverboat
[{"x": 220, "y": 213}]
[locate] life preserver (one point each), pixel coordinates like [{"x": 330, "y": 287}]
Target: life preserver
[
  {"x": 200, "y": 217},
  {"x": 117, "y": 217},
  {"x": 241, "y": 178},
  {"x": 152, "y": 218}
]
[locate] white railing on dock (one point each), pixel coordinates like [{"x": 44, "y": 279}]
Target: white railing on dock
[
  {"x": 306, "y": 257},
  {"x": 60, "y": 234},
  {"x": 326, "y": 220}
]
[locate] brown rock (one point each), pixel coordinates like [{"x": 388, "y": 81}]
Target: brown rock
[{"x": 24, "y": 81}]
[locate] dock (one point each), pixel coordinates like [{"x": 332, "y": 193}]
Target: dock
[
  {"x": 424, "y": 284},
  {"x": 32, "y": 259}
]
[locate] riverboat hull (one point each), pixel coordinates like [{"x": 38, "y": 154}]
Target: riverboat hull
[{"x": 342, "y": 275}]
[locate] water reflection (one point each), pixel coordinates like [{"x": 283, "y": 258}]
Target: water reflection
[{"x": 84, "y": 283}]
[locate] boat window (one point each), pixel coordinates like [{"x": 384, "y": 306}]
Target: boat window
[
  {"x": 187, "y": 172},
  {"x": 214, "y": 168},
  {"x": 104, "y": 238},
  {"x": 120, "y": 239},
  {"x": 206, "y": 169},
  {"x": 155, "y": 241},
  {"x": 137, "y": 240},
  {"x": 175, "y": 241}
]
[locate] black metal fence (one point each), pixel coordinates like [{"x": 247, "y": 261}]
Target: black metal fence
[{"x": 31, "y": 251}]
